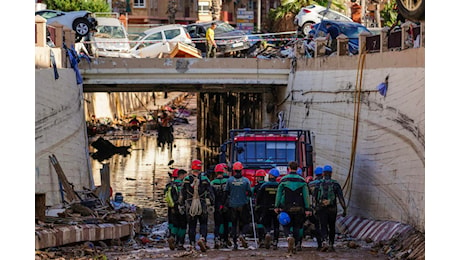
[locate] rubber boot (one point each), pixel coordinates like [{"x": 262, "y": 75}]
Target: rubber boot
[{"x": 268, "y": 240}]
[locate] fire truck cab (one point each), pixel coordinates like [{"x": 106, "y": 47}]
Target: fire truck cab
[{"x": 267, "y": 148}]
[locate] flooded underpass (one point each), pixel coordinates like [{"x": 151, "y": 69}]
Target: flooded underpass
[{"x": 141, "y": 176}]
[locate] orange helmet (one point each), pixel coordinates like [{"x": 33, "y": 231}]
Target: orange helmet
[
  {"x": 260, "y": 173},
  {"x": 175, "y": 173},
  {"x": 219, "y": 168},
  {"x": 196, "y": 165},
  {"x": 237, "y": 166}
]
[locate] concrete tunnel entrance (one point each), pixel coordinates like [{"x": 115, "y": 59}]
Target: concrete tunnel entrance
[{"x": 217, "y": 113}]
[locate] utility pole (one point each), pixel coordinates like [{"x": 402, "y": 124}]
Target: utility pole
[{"x": 259, "y": 11}]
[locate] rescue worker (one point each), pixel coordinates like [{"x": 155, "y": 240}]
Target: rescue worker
[
  {"x": 260, "y": 180},
  {"x": 292, "y": 197},
  {"x": 265, "y": 200},
  {"x": 170, "y": 203},
  {"x": 318, "y": 176},
  {"x": 238, "y": 194},
  {"x": 221, "y": 211},
  {"x": 314, "y": 219},
  {"x": 177, "y": 221},
  {"x": 196, "y": 196},
  {"x": 227, "y": 239},
  {"x": 325, "y": 197}
]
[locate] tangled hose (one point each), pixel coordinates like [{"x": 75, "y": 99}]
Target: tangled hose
[{"x": 195, "y": 207}]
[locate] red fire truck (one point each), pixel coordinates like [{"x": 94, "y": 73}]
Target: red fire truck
[{"x": 268, "y": 148}]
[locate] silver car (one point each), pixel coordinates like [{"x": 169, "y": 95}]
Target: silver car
[
  {"x": 79, "y": 21},
  {"x": 110, "y": 39},
  {"x": 162, "y": 39}
]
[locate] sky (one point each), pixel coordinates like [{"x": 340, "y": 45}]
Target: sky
[{"x": 441, "y": 100}]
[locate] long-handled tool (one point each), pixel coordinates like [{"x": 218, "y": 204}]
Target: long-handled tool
[{"x": 253, "y": 222}]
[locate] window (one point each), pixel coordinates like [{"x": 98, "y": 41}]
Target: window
[
  {"x": 266, "y": 152},
  {"x": 153, "y": 38},
  {"x": 139, "y": 3},
  {"x": 203, "y": 7},
  {"x": 171, "y": 34}
]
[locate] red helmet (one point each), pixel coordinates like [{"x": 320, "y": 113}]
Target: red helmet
[
  {"x": 237, "y": 166},
  {"x": 175, "y": 173},
  {"x": 260, "y": 173},
  {"x": 224, "y": 165},
  {"x": 219, "y": 168},
  {"x": 309, "y": 179},
  {"x": 196, "y": 165}
]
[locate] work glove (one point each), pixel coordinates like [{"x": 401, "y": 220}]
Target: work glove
[{"x": 344, "y": 213}]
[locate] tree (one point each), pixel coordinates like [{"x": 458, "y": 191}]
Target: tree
[
  {"x": 389, "y": 13},
  {"x": 171, "y": 12},
  {"x": 77, "y": 5}
]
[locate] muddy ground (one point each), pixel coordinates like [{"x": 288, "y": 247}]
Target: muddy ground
[{"x": 345, "y": 248}]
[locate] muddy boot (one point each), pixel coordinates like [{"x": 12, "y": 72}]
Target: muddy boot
[
  {"x": 217, "y": 244},
  {"x": 268, "y": 240},
  {"x": 260, "y": 243},
  {"x": 228, "y": 243},
  {"x": 298, "y": 247},
  {"x": 202, "y": 244},
  {"x": 171, "y": 243},
  {"x": 243, "y": 242},
  {"x": 331, "y": 248},
  {"x": 180, "y": 247},
  {"x": 291, "y": 242},
  {"x": 223, "y": 244},
  {"x": 275, "y": 245},
  {"x": 192, "y": 245},
  {"x": 235, "y": 245}
]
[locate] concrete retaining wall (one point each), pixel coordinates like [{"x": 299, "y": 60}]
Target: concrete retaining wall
[
  {"x": 388, "y": 180},
  {"x": 60, "y": 130}
]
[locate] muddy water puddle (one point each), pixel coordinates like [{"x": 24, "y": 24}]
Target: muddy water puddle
[{"x": 142, "y": 175}]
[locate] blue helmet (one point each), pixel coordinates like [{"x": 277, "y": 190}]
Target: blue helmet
[
  {"x": 284, "y": 218},
  {"x": 299, "y": 171},
  {"x": 275, "y": 172},
  {"x": 319, "y": 170},
  {"x": 327, "y": 168}
]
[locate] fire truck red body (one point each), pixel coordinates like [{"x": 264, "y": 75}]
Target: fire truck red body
[{"x": 267, "y": 148}]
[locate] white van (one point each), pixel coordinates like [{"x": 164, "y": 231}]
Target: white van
[
  {"x": 110, "y": 39},
  {"x": 162, "y": 39}
]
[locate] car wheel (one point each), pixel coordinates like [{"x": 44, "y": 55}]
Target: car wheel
[
  {"x": 81, "y": 27},
  {"x": 306, "y": 27},
  {"x": 412, "y": 9}
]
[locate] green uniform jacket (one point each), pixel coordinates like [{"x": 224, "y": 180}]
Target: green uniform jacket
[{"x": 292, "y": 181}]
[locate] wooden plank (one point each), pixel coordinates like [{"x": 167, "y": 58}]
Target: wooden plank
[
  {"x": 185, "y": 51},
  {"x": 69, "y": 191},
  {"x": 40, "y": 206}
]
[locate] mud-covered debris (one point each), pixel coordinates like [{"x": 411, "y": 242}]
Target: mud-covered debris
[{"x": 352, "y": 244}]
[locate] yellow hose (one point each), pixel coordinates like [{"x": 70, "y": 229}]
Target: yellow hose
[{"x": 357, "y": 102}]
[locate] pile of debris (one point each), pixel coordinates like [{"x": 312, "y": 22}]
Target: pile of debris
[{"x": 409, "y": 245}]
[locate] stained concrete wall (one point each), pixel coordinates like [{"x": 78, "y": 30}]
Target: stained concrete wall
[
  {"x": 389, "y": 168},
  {"x": 60, "y": 130}
]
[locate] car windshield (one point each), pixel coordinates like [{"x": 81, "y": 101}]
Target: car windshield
[
  {"x": 221, "y": 28},
  {"x": 105, "y": 31},
  {"x": 265, "y": 151},
  {"x": 48, "y": 15},
  {"x": 352, "y": 31}
]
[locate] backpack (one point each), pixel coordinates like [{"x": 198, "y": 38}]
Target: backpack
[
  {"x": 326, "y": 194},
  {"x": 293, "y": 200},
  {"x": 171, "y": 194}
]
